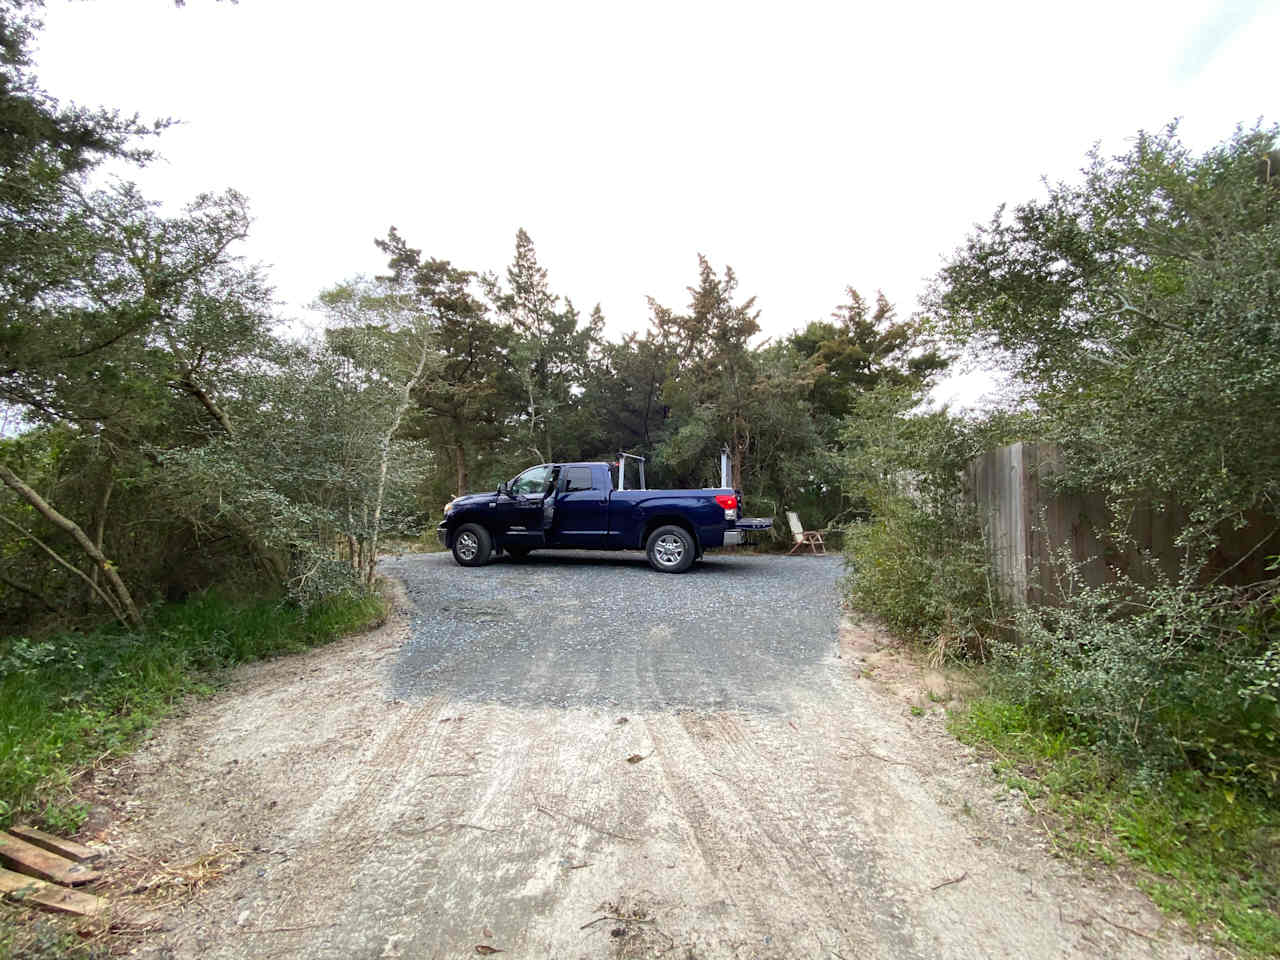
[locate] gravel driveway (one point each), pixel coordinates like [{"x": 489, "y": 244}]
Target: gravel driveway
[
  {"x": 605, "y": 630},
  {"x": 576, "y": 756}
]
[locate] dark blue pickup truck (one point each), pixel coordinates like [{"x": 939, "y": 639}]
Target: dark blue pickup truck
[{"x": 576, "y": 506}]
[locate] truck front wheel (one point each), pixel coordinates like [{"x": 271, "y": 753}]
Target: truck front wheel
[
  {"x": 670, "y": 549},
  {"x": 472, "y": 545}
]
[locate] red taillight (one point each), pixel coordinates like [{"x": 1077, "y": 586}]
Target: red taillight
[{"x": 726, "y": 500}]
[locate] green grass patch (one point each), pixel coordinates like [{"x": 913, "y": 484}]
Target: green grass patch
[
  {"x": 1203, "y": 850},
  {"x": 45, "y": 938},
  {"x": 69, "y": 699}
]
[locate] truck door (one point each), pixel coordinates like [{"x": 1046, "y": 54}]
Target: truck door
[
  {"x": 524, "y": 517},
  {"x": 582, "y": 509}
]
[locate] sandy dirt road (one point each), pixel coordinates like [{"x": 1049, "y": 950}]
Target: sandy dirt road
[{"x": 461, "y": 779}]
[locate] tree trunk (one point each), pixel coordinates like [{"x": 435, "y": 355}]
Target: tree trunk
[
  {"x": 406, "y": 400},
  {"x": 533, "y": 422},
  {"x": 62, "y": 561},
  {"x": 15, "y": 483},
  {"x": 100, "y": 520},
  {"x": 460, "y": 461},
  {"x": 739, "y": 448},
  {"x": 189, "y": 383}
]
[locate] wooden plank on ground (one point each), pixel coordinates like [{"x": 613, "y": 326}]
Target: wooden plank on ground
[
  {"x": 48, "y": 896},
  {"x": 11, "y": 882},
  {"x": 64, "y": 900},
  {"x": 63, "y": 848},
  {"x": 34, "y": 862}
]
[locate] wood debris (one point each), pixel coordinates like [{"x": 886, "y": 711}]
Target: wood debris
[
  {"x": 949, "y": 881},
  {"x": 63, "y": 848},
  {"x": 24, "y": 889},
  {"x": 24, "y": 857}
]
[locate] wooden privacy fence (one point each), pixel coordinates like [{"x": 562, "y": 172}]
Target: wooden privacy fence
[{"x": 1030, "y": 525}]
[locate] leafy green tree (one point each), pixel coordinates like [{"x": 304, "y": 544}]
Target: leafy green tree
[
  {"x": 711, "y": 381},
  {"x": 721, "y": 391},
  {"x": 918, "y": 560},
  {"x": 129, "y": 335},
  {"x": 390, "y": 334},
  {"x": 622, "y": 398},
  {"x": 549, "y": 353},
  {"x": 136, "y": 351},
  {"x": 1140, "y": 308},
  {"x": 120, "y": 323},
  {"x": 858, "y": 349},
  {"x": 318, "y": 469},
  {"x": 462, "y": 409},
  {"x": 50, "y": 234}
]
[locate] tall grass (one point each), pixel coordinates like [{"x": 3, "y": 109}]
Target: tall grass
[{"x": 69, "y": 699}]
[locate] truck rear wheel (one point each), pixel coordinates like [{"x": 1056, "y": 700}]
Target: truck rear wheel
[
  {"x": 670, "y": 549},
  {"x": 472, "y": 545}
]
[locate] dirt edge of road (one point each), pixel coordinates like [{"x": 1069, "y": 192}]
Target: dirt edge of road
[
  {"x": 280, "y": 771},
  {"x": 927, "y": 694}
]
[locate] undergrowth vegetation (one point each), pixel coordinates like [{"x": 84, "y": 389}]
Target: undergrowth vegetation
[
  {"x": 70, "y": 699},
  {"x": 1143, "y": 718},
  {"x": 1167, "y": 677},
  {"x": 1206, "y": 851},
  {"x": 923, "y": 575},
  {"x": 1135, "y": 313},
  {"x": 920, "y": 562}
]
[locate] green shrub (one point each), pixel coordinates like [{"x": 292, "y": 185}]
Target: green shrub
[
  {"x": 48, "y": 938},
  {"x": 925, "y": 574},
  {"x": 920, "y": 562},
  {"x": 71, "y": 698},
  {"x": 1166, "y": 676}
]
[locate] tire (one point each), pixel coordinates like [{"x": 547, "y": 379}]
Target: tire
[
  {"x": 670, "y": 549},
  {"x": 472, "y": 545},
  {"x": 517, "y": 553}
]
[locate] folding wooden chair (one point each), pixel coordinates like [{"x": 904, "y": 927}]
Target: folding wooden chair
[{"x": 813, "y": 538}]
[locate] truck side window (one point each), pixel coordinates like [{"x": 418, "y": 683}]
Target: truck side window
[
  {"x": 577, "y": 478},
  {"x": 533, "y": 481}
]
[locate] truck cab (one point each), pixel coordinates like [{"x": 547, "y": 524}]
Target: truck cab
[{"x": 578, "y": 506}]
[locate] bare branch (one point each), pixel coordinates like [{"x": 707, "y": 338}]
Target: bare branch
[
  {"x": 115, "y": 610},
  {"x": 125, "y": 599}
]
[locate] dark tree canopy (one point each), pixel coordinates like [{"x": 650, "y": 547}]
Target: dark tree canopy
[
  {"x": 858, "y": 349},
  {"x": 1141, "y": 308}
]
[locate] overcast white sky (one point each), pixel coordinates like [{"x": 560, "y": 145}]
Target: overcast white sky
[{"x": 810, "y": 146}]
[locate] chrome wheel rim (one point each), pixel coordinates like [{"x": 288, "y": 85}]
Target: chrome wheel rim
[
  {"x": 467, "y": 546},
  {"x": 669, "y": 550}
]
